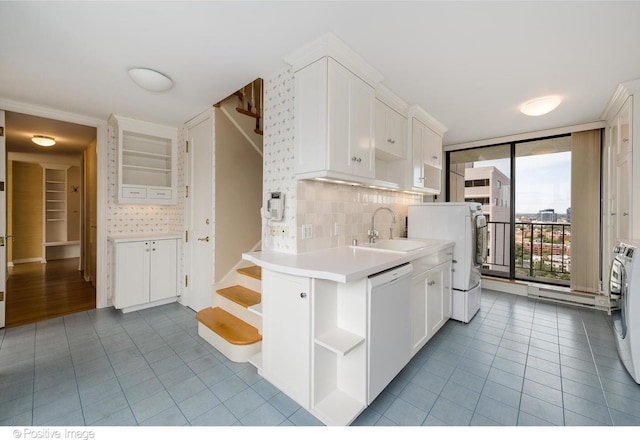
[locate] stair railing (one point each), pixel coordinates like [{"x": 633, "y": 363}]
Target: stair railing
[{"x": 250, "y": 102}]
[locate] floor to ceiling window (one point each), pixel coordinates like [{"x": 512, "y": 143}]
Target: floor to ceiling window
[{"x": 525, "y": 189}]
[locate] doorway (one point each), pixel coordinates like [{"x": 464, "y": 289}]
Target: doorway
[{"x": 51, "y": 219}]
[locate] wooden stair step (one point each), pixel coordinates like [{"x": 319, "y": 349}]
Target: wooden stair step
[
  {"x": 248, "y": 113},
  {"x": 241, "y": 295},
  {"x": 233, "y": 330},
  {"x": 251, "y": 271}
]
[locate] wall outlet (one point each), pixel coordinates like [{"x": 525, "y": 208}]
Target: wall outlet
[
  {"x": 278, "y": 231},
  {"x": 307, "y": 231},
  {"x": 338, "y": 229}
]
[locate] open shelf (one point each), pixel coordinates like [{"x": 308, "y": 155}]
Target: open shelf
[
  {"x": 147, "y": 161},
  {"x": 339, "y": 341},
  {"x": 339, "y": 408}
]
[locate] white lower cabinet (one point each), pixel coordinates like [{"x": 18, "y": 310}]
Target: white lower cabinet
[
  {"x": 314, "y": 334},
  {"x": 286, "y": 334},
  {"x": 439, "y": 300},
  {"x": 430, "y": 299},
  {"x": 145, "y": 272}
]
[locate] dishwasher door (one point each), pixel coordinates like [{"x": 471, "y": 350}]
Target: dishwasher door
[{"x": 388, "y": 327}]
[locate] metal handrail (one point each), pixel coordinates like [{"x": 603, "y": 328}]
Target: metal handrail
[{"x": 542, "y": 250}]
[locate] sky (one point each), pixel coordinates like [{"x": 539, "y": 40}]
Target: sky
[{"x": 542, "y": 181}]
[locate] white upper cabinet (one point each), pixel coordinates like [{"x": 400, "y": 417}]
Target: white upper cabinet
[
  {"x": 147, "y": 157},
  {"x": 390, "y": 133},
  {"x": 426, "y": 151},
  {"x": 334, "y": 122},
  {"x": 349, "y": 127}
]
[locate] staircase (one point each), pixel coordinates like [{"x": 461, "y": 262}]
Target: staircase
[
  {"x": 234, "y": 321},
  {"x": 244, "y": 108}
]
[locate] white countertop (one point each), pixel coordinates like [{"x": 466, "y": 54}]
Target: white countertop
[
  {"x": 121, "y": 238},
  {"x": 342, "y": 264}
]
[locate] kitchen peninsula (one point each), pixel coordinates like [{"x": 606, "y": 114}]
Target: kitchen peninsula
[{"x": 317, "y": 325}]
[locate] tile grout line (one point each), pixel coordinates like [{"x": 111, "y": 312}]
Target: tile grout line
[
  {"x": 73, "y": 365},
  {"x": 604, "y": 395}
]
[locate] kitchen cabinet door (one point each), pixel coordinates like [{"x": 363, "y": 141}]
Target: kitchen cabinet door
[
  {"x": 286, "y": 334},
  {"x": 162, "y": 271},
  {"x": 145, "y": 271},
  {"x": 418, "y": 303},
  {"x": 350, "y": 122},
  {"x": 439, "y": 299},
  {"x": 334, "y": 122},
  {"x": 426, "y": 156},
  {"x": 390, "y": 133},
  {"x": 623, "y": 198},
  {"x": 132, "y": 274}
]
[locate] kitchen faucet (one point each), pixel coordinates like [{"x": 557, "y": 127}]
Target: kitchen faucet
[{"x": 373, "y": 234}]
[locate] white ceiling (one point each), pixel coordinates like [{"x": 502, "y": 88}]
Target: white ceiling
[{"x": 469, "y": 64}]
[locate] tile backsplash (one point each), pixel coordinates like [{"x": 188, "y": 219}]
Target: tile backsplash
[{"x": 338, "y": 214}]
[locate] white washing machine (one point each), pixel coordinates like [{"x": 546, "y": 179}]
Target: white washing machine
[{"x": 625, "y": 286}]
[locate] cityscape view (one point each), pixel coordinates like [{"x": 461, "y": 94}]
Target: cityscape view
[{"x": 542, "y": 223}]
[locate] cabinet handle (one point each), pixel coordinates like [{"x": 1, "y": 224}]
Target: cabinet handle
[
  {"x": 154, "y": 249},
  {"x": 353, "y": 159},
  {"x": 359, "y": 159},
  {"x": 391, "y": 141},
  {"x": 624, "y": 214},
  {"x": 204, "y": 238},
  {"x": 434, "y": 157},
  {"x": 625, "y": 140},
  {"x": 303, "y": 295},
  {"x": 431, "y": 283}
]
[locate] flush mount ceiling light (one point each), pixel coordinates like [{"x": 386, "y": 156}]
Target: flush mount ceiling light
[
  {"x": 540, "y": 106},
  {"x": 150, "y": 79},
  {"x": 43, "y": 141}
]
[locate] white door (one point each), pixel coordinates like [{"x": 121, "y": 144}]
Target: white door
[
  {"x": 3, "y": 221},
  {"x": 199, "y": 247}
]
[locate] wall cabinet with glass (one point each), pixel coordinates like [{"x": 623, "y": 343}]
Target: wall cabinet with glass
[{"x": 147, "y": 158}]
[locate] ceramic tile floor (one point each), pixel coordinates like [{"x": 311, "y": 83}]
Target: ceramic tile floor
[{"x": 519, "y": 362}]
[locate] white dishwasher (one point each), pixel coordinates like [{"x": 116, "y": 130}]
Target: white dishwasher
[{"x": 388, "y": 327}]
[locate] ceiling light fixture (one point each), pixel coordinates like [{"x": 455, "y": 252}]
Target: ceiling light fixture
[
  {"x": 150, "y": 79},
  {"x": 540, "y": 106},
  {"x": 43, "y": 141}
]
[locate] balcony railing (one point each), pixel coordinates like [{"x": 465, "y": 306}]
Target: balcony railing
[{"x": 542, "y": 251}]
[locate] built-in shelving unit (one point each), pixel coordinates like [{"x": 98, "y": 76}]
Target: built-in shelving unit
[
  {"x": 339, "y": 357},
  {"x": 147, "y": 156},
  {"x": 55, "y": 243}
]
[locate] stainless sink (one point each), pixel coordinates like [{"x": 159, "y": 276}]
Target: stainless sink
[{"x": 398, "y": 245}]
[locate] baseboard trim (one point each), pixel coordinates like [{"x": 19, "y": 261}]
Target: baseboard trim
[{"x": 560, "y": 295}]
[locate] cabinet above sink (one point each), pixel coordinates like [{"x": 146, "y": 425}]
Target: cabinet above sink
[{"x": 349, "y": 128}]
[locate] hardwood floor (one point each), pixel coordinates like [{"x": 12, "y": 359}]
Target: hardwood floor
[{"x": 37, "y": 291}]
